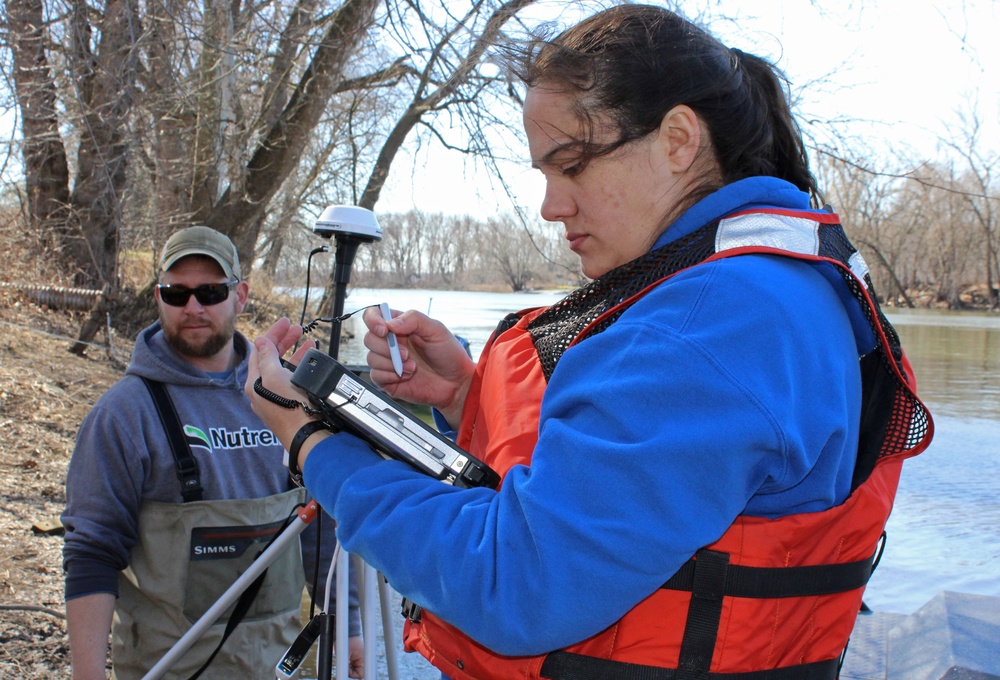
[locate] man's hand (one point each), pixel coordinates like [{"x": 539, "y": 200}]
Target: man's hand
[
  {"x": 284, "y": 334},
  {"x": 265, "y": 363},
  {"x": 356, "y": 651}
]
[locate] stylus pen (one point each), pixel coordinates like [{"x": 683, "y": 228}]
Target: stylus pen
[{"x": 397, "y": 361}]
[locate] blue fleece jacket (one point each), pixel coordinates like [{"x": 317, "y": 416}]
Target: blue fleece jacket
[{"x": 733, "y": 388}]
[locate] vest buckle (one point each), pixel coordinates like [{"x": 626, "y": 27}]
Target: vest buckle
[{"x": 412, "y": 610}]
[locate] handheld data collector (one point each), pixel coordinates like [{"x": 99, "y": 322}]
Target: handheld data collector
[{"x": 361, "y": 408}]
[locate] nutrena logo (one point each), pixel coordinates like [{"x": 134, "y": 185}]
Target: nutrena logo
[
  {"x": 196, "y": 438},
  {"x": 221, "y": 438}
]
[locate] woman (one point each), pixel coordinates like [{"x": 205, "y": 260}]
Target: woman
[{"x": 699, "y": 449}]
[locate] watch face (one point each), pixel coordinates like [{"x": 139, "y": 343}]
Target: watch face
[{"x": 294, "y": 474}]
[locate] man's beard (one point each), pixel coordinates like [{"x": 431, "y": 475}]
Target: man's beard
[{"x": 208, "y": 347}]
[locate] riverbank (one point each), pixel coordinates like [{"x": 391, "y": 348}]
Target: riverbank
[{"x": 44, "y": 394}]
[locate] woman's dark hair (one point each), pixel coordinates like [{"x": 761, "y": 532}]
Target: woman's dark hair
[{"x": 633, "y": 63}]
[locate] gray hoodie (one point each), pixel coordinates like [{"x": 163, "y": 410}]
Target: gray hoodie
[{"x": 123, "y": 458}]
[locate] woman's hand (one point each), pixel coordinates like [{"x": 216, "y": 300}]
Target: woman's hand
[
  {"x": 265, "y": 363},
  {"x": 436, "y": 368}
]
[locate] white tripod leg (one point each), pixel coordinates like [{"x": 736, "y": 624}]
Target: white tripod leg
[
  {"x": 368, "y": 619},
  {"x": 343, "y": 605},
  {"x": 387, "y": 628},
  {"x": 371, "y": 586}
]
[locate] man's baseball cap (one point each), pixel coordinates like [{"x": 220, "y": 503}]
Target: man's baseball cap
[{"x": 202, "y": 241}]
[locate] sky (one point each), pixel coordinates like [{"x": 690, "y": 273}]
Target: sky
[{"x": 897, "y": 72}]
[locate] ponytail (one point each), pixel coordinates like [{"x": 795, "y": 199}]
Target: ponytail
[{"x": 766, "y": 140}]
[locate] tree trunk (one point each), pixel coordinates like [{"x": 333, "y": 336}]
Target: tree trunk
[
  {"x": 239, "y": 213},
  {"x": 45, "y": 167},
  {"x": 168, "y": 122},
  {"x": 107, "y": 82},
  {"x": 891, "y": 272}
]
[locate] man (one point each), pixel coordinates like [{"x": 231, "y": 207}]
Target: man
[{"x": 152, "y": 538}]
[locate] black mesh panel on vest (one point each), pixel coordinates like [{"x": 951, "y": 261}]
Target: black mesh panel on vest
[{"x": 554, "y": 329}]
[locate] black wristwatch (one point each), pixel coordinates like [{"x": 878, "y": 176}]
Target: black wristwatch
[{"x": 306, "y": 431}]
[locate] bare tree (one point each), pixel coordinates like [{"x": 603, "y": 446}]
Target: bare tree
[
  {"x": 84, "y": 221},
  {"x": 980, "y": 197},
  {"x": 45, "y": 165},
  {"x": 206, "y": 112},
  {"x": 403, "y": 243},
  {"x": 239, "y": 213},
  {"x": 447, "y": 77},
  {"x": 210, "y": 158},
  {"x": 866, "y": 203},
  {"x": 511, "y": 252}
]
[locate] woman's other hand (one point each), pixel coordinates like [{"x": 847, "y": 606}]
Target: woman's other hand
[{"x": 437, "y": 370}]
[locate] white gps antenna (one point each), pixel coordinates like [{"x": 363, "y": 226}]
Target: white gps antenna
[
  {"x": 349, "y": 226},
  {"x": 348, "y": 221}
]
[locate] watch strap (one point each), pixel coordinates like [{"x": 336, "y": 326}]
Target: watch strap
[{"x": 306, "y": 431}]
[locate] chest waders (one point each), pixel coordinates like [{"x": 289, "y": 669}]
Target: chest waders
[{"x": 187, "y": 555}]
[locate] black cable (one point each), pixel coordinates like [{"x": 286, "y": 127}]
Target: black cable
[
  {"x": 305, "y": 297},
  {"x": 311, "y": 326},
  {"x": 283, "y": 402},
  {"x": 305, "y": 300}
]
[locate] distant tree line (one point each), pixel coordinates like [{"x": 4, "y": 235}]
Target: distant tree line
[
  {"x": 434, "y": 250},
  {"x": 930, "y": 235}
]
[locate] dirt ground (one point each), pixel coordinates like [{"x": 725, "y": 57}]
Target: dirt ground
[{"x": 45, "y": 392}]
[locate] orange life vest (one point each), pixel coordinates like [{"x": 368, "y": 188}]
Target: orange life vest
[{"x": 772, "y": 599}]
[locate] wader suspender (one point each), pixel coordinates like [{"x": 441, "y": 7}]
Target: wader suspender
[
  {"x": 191, "y": 490},
  {"x": 187, "y": 466}
]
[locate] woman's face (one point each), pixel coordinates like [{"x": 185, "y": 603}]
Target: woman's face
[{"x": 613, "y": 207}]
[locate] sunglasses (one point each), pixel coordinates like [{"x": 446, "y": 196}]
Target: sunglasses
[{"x": 207, "y": 294}]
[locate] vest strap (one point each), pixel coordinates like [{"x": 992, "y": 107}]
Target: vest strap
[
  {"x": 242, "y": 606},
  {"x": 704, "y": 613},
  {"x": 710, "y": 578},
  {"x": 506, "y": 324},
  {"x": 239, "y": 611},
  {"x": 411, "y": 610},
  {"x": 187, "y": 466},
  {"x": 777, "y": 582},
  {"x": 569, "y": 666}
]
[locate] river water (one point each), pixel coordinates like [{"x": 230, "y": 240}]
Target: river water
[{"x": 944, "y": 533}]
